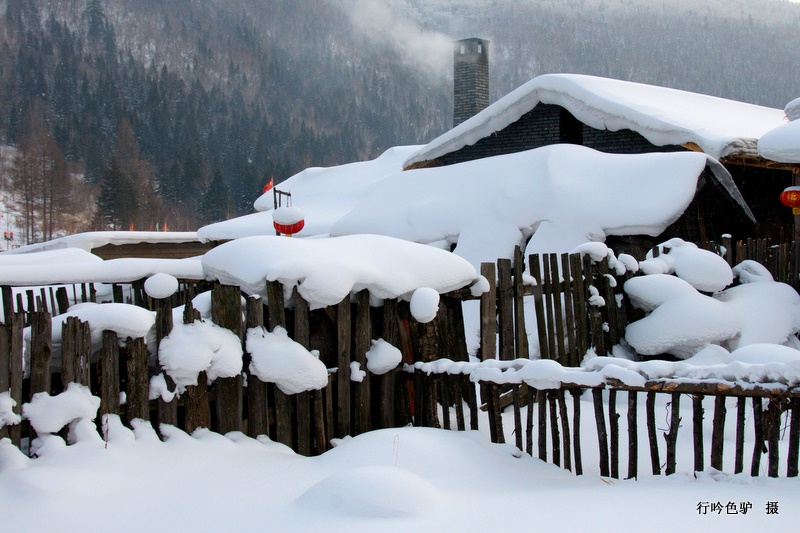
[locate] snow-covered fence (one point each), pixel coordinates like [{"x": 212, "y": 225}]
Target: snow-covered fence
[
  {"x": 310, "y": 375},
  {"x": 764, "y": 414}
]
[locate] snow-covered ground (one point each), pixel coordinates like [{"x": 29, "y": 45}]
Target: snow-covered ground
[{"x": 406, "y": 479}]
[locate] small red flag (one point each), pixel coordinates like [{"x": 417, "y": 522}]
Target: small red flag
[{"x": 268, "y": 186}]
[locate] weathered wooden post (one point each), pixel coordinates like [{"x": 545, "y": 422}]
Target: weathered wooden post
[
  {"x": 257, "y": 407},
  {"x": 538, "y": 305},
  {"x": 138, "y": 390},
  {"x": 343, "y": 373},
  {"x": 283, "y": 403},
  {"x": 197, "y": 408},
  {"x": 302, "y": 336},
  {"x": 633, "y": 437},
  {"x": 226, "y": 312},
  {"x": 655, "y": 461},
  {"x": 109, "y": 380},
  {"x": 167, "y": 411},
  {"x": 520, "y": 334},
  {"x": 41, "y": 353},
  {"x": 602, "y": 434},
  {"x": 391, "y": 334},
  {"x": 363, "y": 336},
  {"x": 505, "y": 309},
  {"x": 672, "y": 435},
  {"x": 11, "y": 369},
  {"x": 488, "y": 346}
]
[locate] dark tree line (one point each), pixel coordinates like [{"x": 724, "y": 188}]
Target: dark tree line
[{"x": 201, "y": 151}]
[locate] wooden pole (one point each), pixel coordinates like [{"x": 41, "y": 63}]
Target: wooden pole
[
  {"x": 718, "y": 432},
  {"x": 109, "y": 380},
  {"x": 794, "y": 439},
  {"x": 343, "y": 373},
  {"x": 576, "y": 429},
  {"x": 197, "y": 408},
  {"x": 697, "y": 431},
  {"x": 138, "y": 390},
  {"x": 303, "y": 408},
  {"x": 739, "y": 457},
  {"x": 363, "y": 336},
  {"x": 672, "y": 436},
  {"x": 758, "y": 445},
  {"x": 562, "y": 409},
  {"x": 257, "y": 419},
  {"x": 276, "y": 317},
  {"x": 226, "y": 312},
  {"x": 602, "y": 435},
  {"x": 167, "y": 411},
  {"x": 538, "y": 305},
  {"x": 505, "y": 309},
  {"x": 520, "y": 335},
  {"x": 554, "y": 436},
  {"x": 41, "y": 352},
  {"x": 613, "y": 423},
  {"x": 655, "y": 461},
  {"x": 16, "y": 369},
  {"x": 633, "y": 438}
]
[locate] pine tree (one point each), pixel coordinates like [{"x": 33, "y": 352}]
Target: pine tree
[
  {"x": 116, "y": 203},
  {"x": 216, "y": 203}
]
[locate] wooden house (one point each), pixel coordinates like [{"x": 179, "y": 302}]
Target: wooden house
[{"x": 623, "y": 117}]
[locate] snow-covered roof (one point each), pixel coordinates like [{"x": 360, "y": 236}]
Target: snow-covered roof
[
  {"x": 95, "y": 239},
  {"x": 782, "y": 144},
  {"x": 663, "y": 116},
  {"x": 91, "y": 269},
  {"x": 563, "y": 195}
]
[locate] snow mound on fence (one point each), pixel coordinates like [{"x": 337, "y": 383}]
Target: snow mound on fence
[
  {"x": 200, "y": 347},
  {"x": 682, "y": 321},
  {"x": 48, "y": 414},
  {"x": 326, "y": 270},
  {"x": 278, "y": 359}
]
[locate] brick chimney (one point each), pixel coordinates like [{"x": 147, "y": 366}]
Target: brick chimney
[{"x": 470, "y": 78}]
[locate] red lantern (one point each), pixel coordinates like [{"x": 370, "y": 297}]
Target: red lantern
[
  {"x": 790, "y": 197},
  {"x": 288, "y": 220}
]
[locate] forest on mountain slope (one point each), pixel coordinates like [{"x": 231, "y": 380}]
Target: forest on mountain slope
[{"x": 145, "y": 113}]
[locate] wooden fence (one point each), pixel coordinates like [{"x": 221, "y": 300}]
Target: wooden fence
[
  {"x": 551, "y": 429},
  {"x": 578, "y": 306}
]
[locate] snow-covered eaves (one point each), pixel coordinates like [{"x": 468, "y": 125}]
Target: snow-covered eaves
[
  {"x": 91, "y": 240},
  {"x": 664, "y": 116}
]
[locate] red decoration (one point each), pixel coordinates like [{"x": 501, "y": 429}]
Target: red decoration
[
  {"x": 790, "y": 197},
  {"x": 268, "y": 186},
  {"x": 288, "y": 220},
  {"x": 289, "y": 229}
]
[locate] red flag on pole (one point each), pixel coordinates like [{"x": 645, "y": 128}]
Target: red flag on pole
[{"x": 268, "y": 186}]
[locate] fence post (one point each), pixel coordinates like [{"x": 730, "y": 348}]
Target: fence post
[
  {"x": 138, "y": 392},
  {"x": 520, "y": 335},
  {"x": 198, "y": 410},
  {"x": 672, "y": 436},
  {"x": 363, "y": 336},
  {"x": 167, "y": 411},
  {"x": 226, "y": 312},
  {"x": 276, "y": 316},
  {"x": 257, "y": 419},
  {"x": 391, "y": 334},
  {"x": 302, "y": 335},
  {"x": 41, "y": 353},
  {"x": 109, "y": 380},
  {"x": 343, "y": 373},
  {"x": 505, "y": 309},
  {"x": 538, "y": 305}
]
